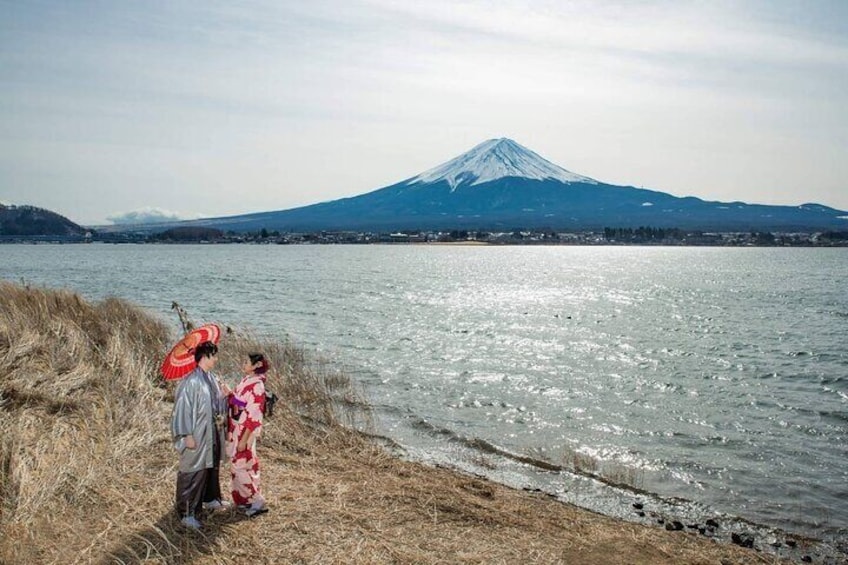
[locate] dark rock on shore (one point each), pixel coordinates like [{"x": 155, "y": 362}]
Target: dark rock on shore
[{"x": 743, "y": 540}]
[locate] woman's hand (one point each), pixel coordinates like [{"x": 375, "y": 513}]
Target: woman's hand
[{"x": 189, "y": 442}]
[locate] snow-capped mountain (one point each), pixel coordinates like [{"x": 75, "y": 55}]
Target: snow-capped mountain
[
  {"x": 500, "y": 185},
  {"x": 496, "y": 159}
]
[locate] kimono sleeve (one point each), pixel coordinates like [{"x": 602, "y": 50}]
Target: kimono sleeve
[
  {"x": 182, "y": 421},
  {"x": 256, "y": 406}
]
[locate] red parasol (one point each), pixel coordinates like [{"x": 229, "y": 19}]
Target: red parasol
[{"x": 180, "y": 361}]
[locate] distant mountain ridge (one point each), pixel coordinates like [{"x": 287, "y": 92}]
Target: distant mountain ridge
[
  {"x": 501, "y": 185},
  {"x": 34, "y": 221}
]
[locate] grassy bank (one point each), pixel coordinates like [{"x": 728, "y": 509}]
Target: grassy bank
[{"x": 87, "y": 470}]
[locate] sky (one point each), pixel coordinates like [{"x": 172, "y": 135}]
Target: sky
[{"x": 114, "y": 111}]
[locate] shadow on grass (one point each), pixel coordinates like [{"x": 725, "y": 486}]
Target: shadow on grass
[{"x": 168, "y": 541}]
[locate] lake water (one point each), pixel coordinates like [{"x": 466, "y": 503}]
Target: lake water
[{"x": 715, "y": 375}]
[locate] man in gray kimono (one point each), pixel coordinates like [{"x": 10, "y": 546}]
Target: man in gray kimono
[{"x": 198, "y": 425}]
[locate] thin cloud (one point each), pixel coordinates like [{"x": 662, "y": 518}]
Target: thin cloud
[{"x": 149, "y": 215}]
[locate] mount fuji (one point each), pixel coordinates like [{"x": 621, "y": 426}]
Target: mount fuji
[
  {"x": 493, "y": 160},
  {"x": 500, "y": 184}
]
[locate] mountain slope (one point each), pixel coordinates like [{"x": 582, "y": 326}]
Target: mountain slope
[
  {"x": 29, "y": 220},
  {"x": 501, "y": 185}
]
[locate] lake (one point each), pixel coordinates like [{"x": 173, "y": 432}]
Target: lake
[{"x": 716, "y": 375}]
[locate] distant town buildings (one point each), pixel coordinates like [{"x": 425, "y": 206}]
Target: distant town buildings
[{"x": 608, "y": 236}]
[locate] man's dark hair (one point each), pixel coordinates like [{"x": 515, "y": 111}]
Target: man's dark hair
[{"x": 205, "y": 349}]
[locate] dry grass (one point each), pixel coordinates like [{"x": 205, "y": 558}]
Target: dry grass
[{"x": 87, "y": 470}]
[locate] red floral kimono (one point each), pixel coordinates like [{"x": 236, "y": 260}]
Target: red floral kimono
[{"x": 247, "y": 407}]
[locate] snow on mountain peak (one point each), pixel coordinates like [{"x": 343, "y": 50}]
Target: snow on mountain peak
[{"x": 495, "y": 159}]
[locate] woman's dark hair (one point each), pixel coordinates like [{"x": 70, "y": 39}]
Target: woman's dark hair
[
  {"x": 205, "y": 349},
  {"x": 258, "y": 358}
]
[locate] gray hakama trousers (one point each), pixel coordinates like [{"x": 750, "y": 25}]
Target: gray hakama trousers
[{"x": 193, "y": 489}]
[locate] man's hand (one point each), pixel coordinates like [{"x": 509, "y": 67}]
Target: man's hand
[{"x": 189, "y": 442}]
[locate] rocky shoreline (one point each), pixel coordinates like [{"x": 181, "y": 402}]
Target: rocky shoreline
[{"x": 626, "y": 503}]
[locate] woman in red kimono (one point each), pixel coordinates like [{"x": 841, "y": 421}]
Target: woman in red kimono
[{"x": 247, "y": 408}]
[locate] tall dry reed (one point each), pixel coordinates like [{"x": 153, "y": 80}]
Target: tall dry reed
[{"x": 84, "y": 417}]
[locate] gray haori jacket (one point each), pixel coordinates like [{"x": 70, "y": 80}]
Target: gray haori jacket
[{"x": 195, "y": 406}]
